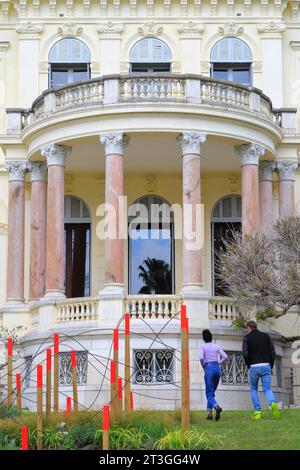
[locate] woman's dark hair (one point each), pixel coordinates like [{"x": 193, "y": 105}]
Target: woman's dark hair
[{"x": 207, "y": 336}]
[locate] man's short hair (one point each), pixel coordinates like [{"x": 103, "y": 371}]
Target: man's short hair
[{"x": 251, "y": 324}]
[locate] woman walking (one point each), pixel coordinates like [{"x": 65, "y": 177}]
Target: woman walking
[{"x": 211, "y": 357}]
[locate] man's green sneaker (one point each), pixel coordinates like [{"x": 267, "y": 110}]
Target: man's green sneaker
[
  {"x": 275, "y": 410},
  {"x": 256, "y": 415}
]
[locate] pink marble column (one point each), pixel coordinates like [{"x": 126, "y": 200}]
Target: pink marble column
[
  {"x": 266, "y": 168},
  {"x": 114, "y": 190},
  {"x": 249, "y": 155},
  {"x": 55, "y": 268},
  {"x": 191, "y": 253},
  {"x": 38, "y": 219},
  {"x": 286, "y": 176},
  {"x": 16, "y": 231}
]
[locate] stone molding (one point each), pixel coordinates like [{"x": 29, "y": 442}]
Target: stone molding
[
  {"x": 231, "y": 28},
  {"x": 191, "y": 142},
  {"x": 266, "y": 168},
  {"x": 69, "y": 29},
  {"x": 3, "y": 229},
  {"x": 38, "y": 171},
  {"x": 190, "y": 30},
  {"x": 249, "y": 154},
  {"x": 16, "y": 170},
  {"x": 150, "y": 29},
  {"x": 114, "y": 143},
  {"x": 4, "y": 46},
  {"x": 55, "y": 154},
  {"x": 110, "y": 30},
  {"x": 29, "y": 30},
  {"x": 271, "y": 29},
  {"x": 286, "y": 170}
]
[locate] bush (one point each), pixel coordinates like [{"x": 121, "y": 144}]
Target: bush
[
  {"x": 177, "y": 440},
  {"x": 83, "y": 435},
  {"x": 8, "y": 411},
  {"x": 127, "y": 438}
]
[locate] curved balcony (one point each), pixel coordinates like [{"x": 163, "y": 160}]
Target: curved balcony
[{"x": 156, "y": 88}]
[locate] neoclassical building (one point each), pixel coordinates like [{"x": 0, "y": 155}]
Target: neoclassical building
[{"x": 177, "y": 104}]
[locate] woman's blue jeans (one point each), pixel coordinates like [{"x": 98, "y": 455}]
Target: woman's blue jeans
[
  {"x": 263, "y": 373},
  {"x": 212, "y": 374}
]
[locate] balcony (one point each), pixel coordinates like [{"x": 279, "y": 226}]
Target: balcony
[{"x": 122, "y": 90}]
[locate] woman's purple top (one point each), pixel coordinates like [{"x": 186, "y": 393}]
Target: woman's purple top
[{"x": 211, "y": 352}]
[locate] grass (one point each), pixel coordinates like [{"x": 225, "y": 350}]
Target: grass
[{"x": 147, "y": 429}]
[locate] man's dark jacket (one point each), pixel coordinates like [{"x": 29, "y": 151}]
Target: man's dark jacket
[{"x": 258, "y": 348}]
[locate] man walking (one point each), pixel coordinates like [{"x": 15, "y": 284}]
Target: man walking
[{"x": 259, "y": 355}]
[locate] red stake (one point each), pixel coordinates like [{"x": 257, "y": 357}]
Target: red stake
[
  {"x": 131, "y": 400},
  {"x": 113, "y": 374},
  {"x": 183, "y": 315},
  {"x": 49, "y": 359},
  {"x": 73, "y": 359},
  {"x": 127, "y": 324},
  {"x": 68, "y": 406},
  {"x": 120, "y": 388},
  {"x": 24, "y": 438},
  {"x": 56, "y": 343},
  {"x": 116, "y": 339},
  {"x": 9, "y": 346},
  {"x": 18, "y": 382},
  {"x": 106, "y": 424}
]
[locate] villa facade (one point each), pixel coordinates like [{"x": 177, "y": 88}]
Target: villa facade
[{"x": 142, "y": 102}]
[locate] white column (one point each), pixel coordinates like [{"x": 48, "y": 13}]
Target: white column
[
  {"x": 190, "y": 47},
  {"x": 110, "y": 44},
  {"x": 28, "y": 69},
  {"x": 4, "y": 46},
  {"x": 272, "y": 71}
]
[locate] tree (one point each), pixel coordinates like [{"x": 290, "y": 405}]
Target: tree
[
  {"x": 262, "y": 273},
  {"x": 156, "y": 275}
]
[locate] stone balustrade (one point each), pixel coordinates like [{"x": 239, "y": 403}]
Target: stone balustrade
[
  {"x": 79, "y": 309},
  {"x": 153, "y": 306},
  {"x": 223, "y": 308},
  {"x": 118, "y": 89}
]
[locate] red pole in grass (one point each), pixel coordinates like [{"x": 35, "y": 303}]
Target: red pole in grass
[
  {"x": 185, "y": 418},
  {"x": 116, "y": 359},
  {"x": 55, "y": 385},
  {"x": 127, "y": 364},
  {"x": 24, "y": 438},
  {"x": 188, "y": 364},
  {"x": 39, "y": 426},
  {"x": 9, "y": 371},
  {"x": 68, "y": 406},
  {"x": 113, "y": 388},
  {"x": 18, "y": 387},
  {"x": 74, "y": 381},
  {"x": 131, "y": 400},
  {"x": 48, "y": 381},
  {"x": 105, "y": 427},
  {"x": 120, "y": 394}
]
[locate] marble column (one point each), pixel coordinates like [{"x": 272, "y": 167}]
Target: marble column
[
  {"x": 191, "y": 143},
  {"x": 266, "y": 168},
  {"x": 38, "y": 219},
  {"x": 286, "y": 176},
  {"x": 114, "y": 145},
  {"x": 55, "y": 269},
  {"x": 16, "y": 231},
  {"x": 249, "y": 155}
]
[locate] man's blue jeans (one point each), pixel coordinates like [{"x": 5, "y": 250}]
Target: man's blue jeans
[
  {"x": 263, "y": 373},
  {"x": 212, "y": 377}
]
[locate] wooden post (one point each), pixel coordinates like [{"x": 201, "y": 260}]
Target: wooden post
[
  {"x": 68, "y": 406},
  {"x": 18, "y": 387},
  {"x": 105, "y": 427},
  {"x": 48, "y": 381},
  {"x": 74, "y": 380},
  {"x": 127, "y": 365},
  {"x": 24, "y": 438},
  {"x": 116, "y": 359},
  {"x": 55, "y": 387},
  {"x": 120, "y": 395},
  {"x": 113, "y": 388},
  {"x": 9, "y": 371},
  {"x": 39, "y": 426},
  {"x": 185, "y": 418}
]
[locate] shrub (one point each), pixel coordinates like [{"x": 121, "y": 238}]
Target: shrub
[
  {"x": 127, "y": 438},
  {"x": 177, "y": 440},
  {"x": 8, "y": 411},
  {"x": 83, "y": 434}
]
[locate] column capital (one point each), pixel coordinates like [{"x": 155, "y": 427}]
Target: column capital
[
  {"x": 114, "y": 143},
  {"x": 286, "y": 169},
  {"x": 55, "y": 154},
  {"x": 190, "y": 142},
  {"x": 16, "y": 170},
  {"x": 38, "y": 171},
  {"x": 249, "y": 154},
  {"x": 266, "y": 168}
]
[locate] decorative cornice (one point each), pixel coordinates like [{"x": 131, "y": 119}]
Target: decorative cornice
[
  {"x": 190, "y": 30},
  {"x": 257, "y": 66},
  {"x": 271, "y": 29},
  {"x": 29, "y": 30},
  {"x": 150, "y": 29},
  {"x": 191, "y": 142},
  {"x": 55, "y": 154},
  {"x": 110, "y": 30},
  {"x": 249, "y": 154},
  {"x": 295, "y": 45},
  {"x": 4, "y": 46},
  {"x": 3, "y": 229},
  {"x": 16, "y": 170},
  {"x": 266, "y": 168},
  {"x": 230, "y": 28},
  {"x": 69, "y": 30},
  {"x": 286, "y": 169},
  {"x": 38, "y": 171},
  {"x": 114, "y": 143}
]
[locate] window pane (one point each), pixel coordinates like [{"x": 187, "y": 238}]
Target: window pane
[
  {"x": 227, "y": 207},
  {"x": 59, "y": 77},
  {"x": 79, "y": 75},
  {"x": 239, "y": 207},
  {"x": 242, "y": 76},
  {"x": 221, "y": 74},
  {"x": 75, "y": 208}
]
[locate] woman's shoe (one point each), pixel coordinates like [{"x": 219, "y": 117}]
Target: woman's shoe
[
  {"x": 275, "y": 410},
  {"x": 218, "y": 412},
  {"x": 256, "y": 415},
  {"x": 209, "y": 416}
]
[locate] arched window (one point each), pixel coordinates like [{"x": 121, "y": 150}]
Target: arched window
[
  {"x": 77, "y": 247},
  {"x": 225, "y": 220},
  {"x": 151, "y": 246},
  {"x": 150, "y": 55},
  {"x": 231, "y": 59},
  {"x": 69, "y": 61}
]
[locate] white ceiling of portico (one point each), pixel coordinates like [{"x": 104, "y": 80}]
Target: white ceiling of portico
[{"x": 151, "y": 154}]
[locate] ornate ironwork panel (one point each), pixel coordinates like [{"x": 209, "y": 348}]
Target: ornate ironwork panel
[
  {"x": 27, "y": 371},
  {"x": 234, "y": 371},
  {"x": 154, "y": 366},
  {"x": 65, "y": 373}
]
